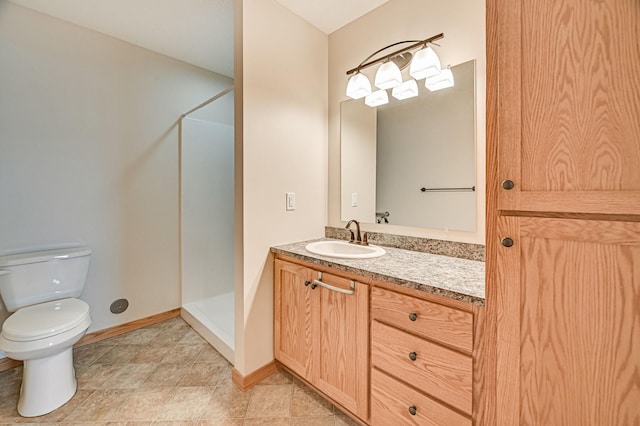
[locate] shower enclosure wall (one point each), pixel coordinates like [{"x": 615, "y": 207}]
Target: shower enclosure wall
[{"x": 207, "y": 220}]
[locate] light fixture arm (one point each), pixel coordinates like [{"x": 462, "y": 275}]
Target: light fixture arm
[{"x": 416, "y": 43}]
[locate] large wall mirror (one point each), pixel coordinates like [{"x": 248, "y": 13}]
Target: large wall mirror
[{"x": 412, "y": 162}]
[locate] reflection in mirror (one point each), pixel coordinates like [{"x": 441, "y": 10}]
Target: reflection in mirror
[{"x": 390, "y": 152}]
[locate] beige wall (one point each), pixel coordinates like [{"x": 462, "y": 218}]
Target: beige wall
[
  {"x": 463, "y": 23},
  {"x": 88, "y": 154},
  {"x": 284, "y": 144}
]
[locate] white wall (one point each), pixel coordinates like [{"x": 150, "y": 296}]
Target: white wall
[
  {"x": 463, "y": 24},
  {"x": 284, "y": 133},
  {"x": 207, "y": 209},
  {"x": 88, "y": 154}
]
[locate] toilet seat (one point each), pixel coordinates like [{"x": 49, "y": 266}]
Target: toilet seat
[{"x": 45, "y": 320}]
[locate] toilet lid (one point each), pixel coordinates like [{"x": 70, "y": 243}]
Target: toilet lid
[{"x": 45, "y": 319}]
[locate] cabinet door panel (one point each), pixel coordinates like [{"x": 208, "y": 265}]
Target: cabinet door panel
[
  {"x": 568, "y": 322},
  {"x": 569, "y": 100},
  {"x": 292, "y": 317},
  {"x": 341, "y": 347}
]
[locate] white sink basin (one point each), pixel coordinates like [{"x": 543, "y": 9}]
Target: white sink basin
[{"x": 344, "y": 250}]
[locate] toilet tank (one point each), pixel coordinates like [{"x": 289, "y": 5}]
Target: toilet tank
[{"x": 41, "y": 276}]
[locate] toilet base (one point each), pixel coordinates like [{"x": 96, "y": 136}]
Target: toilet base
[{"x": 47, "y": 384}]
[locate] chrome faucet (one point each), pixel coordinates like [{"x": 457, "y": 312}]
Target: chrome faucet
[{"x": 357, "y": 238}]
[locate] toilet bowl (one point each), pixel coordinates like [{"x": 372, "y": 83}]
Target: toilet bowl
[
  {"x": 40, "y": 289},
  {"x": 42, "y": 336}
]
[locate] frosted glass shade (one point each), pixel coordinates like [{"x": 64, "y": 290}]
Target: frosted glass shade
[
  {"x": 358, "y": 86},
  {"x": 377, "y": 98},
  {"x": 425, "y": 63},
  {"x": 440, "y": 81},
  {"x": 406, "y": 90},
  {"x": 388, "y": 76}
]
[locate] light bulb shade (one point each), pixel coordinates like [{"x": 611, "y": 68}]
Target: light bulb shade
[
  {"x": 388, "y": 76},
  {"x": 425, "y": 64},
  {"x": 406, "y": 90},
  {"x": 377, "y": 98},
  {"x": 358, "y": 86},
  {"x": 440, "y": 81}
]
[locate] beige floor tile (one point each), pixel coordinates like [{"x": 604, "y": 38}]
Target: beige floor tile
[
  {"x": 210, "y": 355},
  {"x": 187, "y": 404},
  {"x": 313, "y": 421},
  {"x": 344, "y": 420},
  {"x": 280, "y": 377},
  {"x": 141, "y": 336},
  {"x": 99, "y": 406},
  {"x": 222, "y": 422},
  {"x": 277, "y": 421},
  {"x": 270, "y": 401},
  {"x": 228, "y": 402},
  {"x": 94, "y": 376},
  {"x": 120, "y": 354},
  {"x": 152, "y": 354},
  {"x": 129, "y": 376},
  {"x": 307, "y": 403},
  {"x": 88, "y": 354},
  {"x": 175, "y": 423},
  {"x": 191, "y": 337},
  {"x": 204, "y": 374},
  {"x": 184, "y": 353},
  {"x": 143, "y": 404},
  {"x": 167, "y": 375}
]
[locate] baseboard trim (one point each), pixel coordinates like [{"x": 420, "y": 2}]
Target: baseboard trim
[
  {"x": 247, "y": 382},
  {"x": 8, "y": 363}
]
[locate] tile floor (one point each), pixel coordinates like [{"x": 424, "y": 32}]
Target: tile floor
[{"x": 166, "y": 374}]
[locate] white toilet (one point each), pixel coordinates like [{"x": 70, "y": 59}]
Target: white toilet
[{"x": 41, "y": 289}]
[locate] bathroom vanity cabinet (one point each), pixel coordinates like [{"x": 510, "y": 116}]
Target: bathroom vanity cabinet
[
  {"x": 387, "y": 354},
  {"x": 321, "y": 323}
]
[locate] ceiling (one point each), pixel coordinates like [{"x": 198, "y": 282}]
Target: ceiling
[{"x": 199, "y": 32}]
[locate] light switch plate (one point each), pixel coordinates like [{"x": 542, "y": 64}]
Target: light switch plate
[
  {"x": 291, "y": 201},
  {"x": 354, "y": 199}
]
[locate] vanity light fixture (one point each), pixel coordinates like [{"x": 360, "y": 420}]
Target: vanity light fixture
[
  {"x": 424, "y": 64},
  {"x": 406, "y": 90},
  {"x": 377, "y": 98},
  {"x": 440, "y": 81}
]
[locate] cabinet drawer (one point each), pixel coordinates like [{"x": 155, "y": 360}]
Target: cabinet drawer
[
  {"x": 392, "y": 400},
  {"x": 431, "y": 320},
  {"x": 436, "y": 370}
]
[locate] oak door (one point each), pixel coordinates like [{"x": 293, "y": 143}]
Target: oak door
[
  {"x": 568, "y": 322},
  {"x": 293, "y": 333},
  {"x": 569, "y": 105},
  {"x": 341, "y": 345}
]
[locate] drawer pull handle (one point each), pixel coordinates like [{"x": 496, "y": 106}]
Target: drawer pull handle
[
  {"x": 413, "y": 410},
  {"x": 413, "y": 316},
  {"x": 413, "y": 356}
]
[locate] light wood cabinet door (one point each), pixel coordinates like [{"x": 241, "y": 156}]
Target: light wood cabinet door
[
  {"x": 341, "y": 345},
  {"x": 569, "y": 105},
  {"x": 568, "y": 327},
  {"x": 293, "y": 331}
]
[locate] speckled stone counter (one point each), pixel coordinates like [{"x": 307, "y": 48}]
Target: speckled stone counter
[{"x": 456, "y": 278}]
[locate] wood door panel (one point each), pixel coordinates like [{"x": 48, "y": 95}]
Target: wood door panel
[
  {"x": 569, "y": 73},
  {"x": 341, "y": 354},
  {"x": 576, "y": 309},
  {"x": 293, "y": 317}
]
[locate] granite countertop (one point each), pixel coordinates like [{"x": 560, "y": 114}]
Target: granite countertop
[{"x": 452, "y": 277}]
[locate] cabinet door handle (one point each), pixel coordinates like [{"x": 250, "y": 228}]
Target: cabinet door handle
[
  {"x": 413, "y": 410},
  {"x": 307, "y": 283},
  {"x": 333, "y": 288},
  {"x": 413, "y": 356},
  {"x": 413, "y": 316}
]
